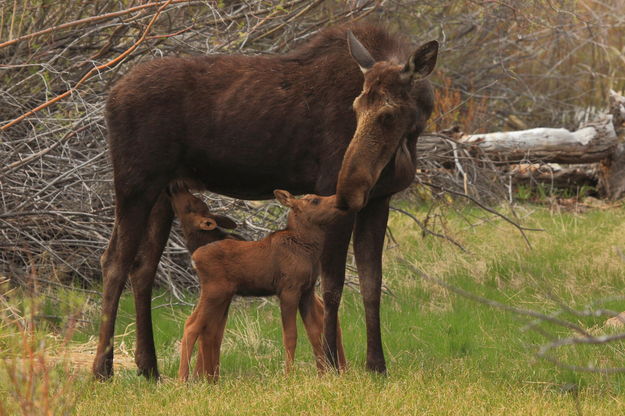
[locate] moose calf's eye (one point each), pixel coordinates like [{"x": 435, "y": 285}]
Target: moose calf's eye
[{"x": 315, "y": 201}]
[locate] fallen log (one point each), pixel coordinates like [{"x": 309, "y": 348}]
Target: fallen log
[
  {"x": 590, "y": 144},
  {"x": 600, "y": 141}
]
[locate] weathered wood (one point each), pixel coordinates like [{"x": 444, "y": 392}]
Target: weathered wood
[{"x": 590, "y": 144}]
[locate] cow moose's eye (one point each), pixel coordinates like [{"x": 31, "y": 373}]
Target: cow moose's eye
[
  {"x": 315, "y": 201},
  {"x": 385, "y": 118}
]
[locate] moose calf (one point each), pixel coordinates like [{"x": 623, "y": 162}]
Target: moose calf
[
  {"x": 199, "y": 226},
  {"x": 284, "y": 264}
]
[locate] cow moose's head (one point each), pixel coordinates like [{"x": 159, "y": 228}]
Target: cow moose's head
[{"x": 395, "y": 104}]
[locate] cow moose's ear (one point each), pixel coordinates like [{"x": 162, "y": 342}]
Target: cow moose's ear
[
  {"x": 360, "y": 54},
  {"x": 207, "y": 224},
  {"x": 284, "y": 197},
  {"x": 422, "y": 62},
  {"x": 225, "y": 222}
]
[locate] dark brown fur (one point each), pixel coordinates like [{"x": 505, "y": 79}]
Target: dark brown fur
[
  {"x": 284, "y": 264},
  {"x": 243, "y": 126}
]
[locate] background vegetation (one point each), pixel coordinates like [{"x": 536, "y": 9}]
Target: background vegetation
[{"x": 503, "y": 64}]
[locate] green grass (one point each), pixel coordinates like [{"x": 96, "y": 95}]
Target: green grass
[{"x": 446, "y": 354}]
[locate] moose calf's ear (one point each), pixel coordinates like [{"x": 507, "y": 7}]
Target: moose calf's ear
[
  {"x": 176, "y": 187},
  {"x": 422, "y": 62},
  {"x": 208, "y": 224},
  {"x": 360, "y": 54},
  {"x": 283, "y": 197},
  {"x": 225, "y": 222}
]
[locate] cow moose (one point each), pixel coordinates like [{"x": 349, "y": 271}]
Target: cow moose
[
  {"x": 284, "y": 263},
  {"x": 243, "y": 126}
]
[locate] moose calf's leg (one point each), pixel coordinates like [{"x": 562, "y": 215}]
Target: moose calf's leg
[
  {"x": 213, "y": 349},
  {"x": 311, "y": 309},
  {"x": 288, "y": 309},
  {"x": 369, "y": 235},
  {"x": 203, "y": 364},
  {"x": 192, "y": 329},
  {"x": 211, "y": 316},
  {"x": 142, "y": 278},
  {"x": 202, "y": 355},
  {"x": 332, "y": 280},
  {"x": 130, "y": 222}
]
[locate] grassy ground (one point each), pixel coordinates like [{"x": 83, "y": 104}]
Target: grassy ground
[{"x": 447, "y": 355}]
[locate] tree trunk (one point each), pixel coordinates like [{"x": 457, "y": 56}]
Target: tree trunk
[{"x": 612, "y": 179}]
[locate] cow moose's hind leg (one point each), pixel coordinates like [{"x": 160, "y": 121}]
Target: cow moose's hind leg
[
  {"x": 131, "y": 216},
  {"x": 142, "y": 276}
]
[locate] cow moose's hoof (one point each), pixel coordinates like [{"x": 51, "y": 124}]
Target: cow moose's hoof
[
  {"x": 147, "y": 365},
  {"x": 102, "y": 368},
  {"x": 151, "y": 374},
  {"x": 378, "y": 367}
]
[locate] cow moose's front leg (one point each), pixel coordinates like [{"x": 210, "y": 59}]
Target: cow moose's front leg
[
  {"x": 369, "y": 233},
  {"x": 332, "y": 280}
]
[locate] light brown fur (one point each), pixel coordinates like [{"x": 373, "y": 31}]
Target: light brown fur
[{"x": 285, "y": 263}]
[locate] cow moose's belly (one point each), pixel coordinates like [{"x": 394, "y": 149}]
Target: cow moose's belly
[
  {"x": 251, "y": 182},
  {"x": 241, "y": 185}
]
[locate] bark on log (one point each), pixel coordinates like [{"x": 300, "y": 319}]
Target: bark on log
[{"x": 554, "y": 175}]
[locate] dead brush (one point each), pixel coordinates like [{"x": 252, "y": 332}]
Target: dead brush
[{"x": 36, "y": 381}]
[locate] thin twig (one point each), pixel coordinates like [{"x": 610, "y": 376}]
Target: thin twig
[
  {"x": 426, "y": 230},
  {"x": 486, "y": 208}
]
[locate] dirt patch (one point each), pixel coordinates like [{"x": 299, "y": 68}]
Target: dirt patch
[{"x": 73, "y": 357}]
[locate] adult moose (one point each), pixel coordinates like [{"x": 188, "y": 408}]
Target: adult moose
[{"x": 243, "y": 126}]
